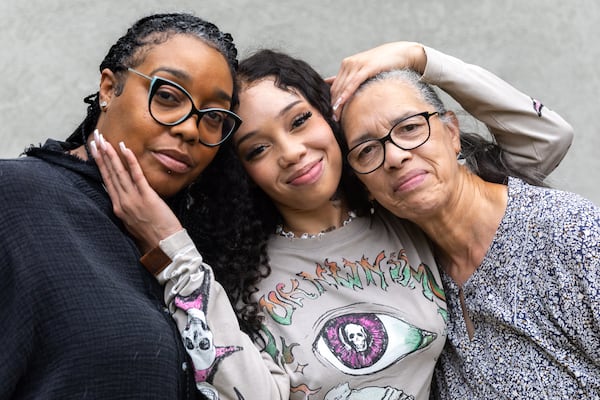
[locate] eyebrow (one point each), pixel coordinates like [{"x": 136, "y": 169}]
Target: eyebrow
[
  {"x": 288, "y": 107},
  {"x": 221, "y": 94},
  {"x": 279, "y": 114},
  {"x": 368, "y": 136}
]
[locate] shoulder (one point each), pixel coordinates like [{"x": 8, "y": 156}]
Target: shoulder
[
  {"x": 566, "y": 218},
  {"x": 31, "y": 183},
  {"x": 548, "y": 201},
  {"x": 23, "y": 172}
]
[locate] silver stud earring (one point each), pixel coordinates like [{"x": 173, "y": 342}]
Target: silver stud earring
[
  {"x": 460, "y": 158},
  {"x": 103, "y": 104}
]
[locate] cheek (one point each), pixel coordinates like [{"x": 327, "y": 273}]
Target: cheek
[
  {"x": 203, "y": 156},
  {"x": 260, "y": 173},
  {"x": 325, "y": 139},
  {"x": 375, "y": 185},
  {"x": 365, "y": 179}
]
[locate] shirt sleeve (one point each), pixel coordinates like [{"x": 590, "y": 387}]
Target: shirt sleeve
[
  {"x": 225, "y": 359},
  {"x": 532, "y": 135}
]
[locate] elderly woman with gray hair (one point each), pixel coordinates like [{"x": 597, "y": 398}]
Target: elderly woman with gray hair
[{"x": 520, "y": 263}]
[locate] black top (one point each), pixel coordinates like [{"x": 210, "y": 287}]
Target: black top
[{"x": 80, "y": 317}]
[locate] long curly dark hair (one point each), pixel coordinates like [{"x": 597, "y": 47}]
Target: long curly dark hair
[{"x": 225, "y": 226}]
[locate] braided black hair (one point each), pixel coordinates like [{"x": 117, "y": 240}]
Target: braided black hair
[{"x": 131, "y": 48}]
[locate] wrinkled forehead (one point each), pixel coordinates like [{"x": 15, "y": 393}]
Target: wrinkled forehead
[
  {"x": 382, "y": 92},
  {"x": 381, "y": 100}
]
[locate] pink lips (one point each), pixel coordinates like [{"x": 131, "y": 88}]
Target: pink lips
[
  {"x": 410, "y": 181},
  {"x": 174, "y": 161},
  {"x": 307, "y": 175}
]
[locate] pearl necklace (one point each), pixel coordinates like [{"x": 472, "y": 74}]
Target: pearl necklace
[{"x": 291, "y": 235}]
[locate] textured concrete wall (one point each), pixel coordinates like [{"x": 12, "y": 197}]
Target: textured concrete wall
[{"x": 50, "y": 51}]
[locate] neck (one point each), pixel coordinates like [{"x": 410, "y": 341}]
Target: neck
[
  {"x": 328, "y": 217},
  {"x": 464, "y": 228},
  {"x": 80, "y": 152}
]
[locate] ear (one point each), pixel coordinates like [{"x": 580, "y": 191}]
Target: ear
[
  {"x": 453, "y": 128},
  {"x": 108, "y": 86}
]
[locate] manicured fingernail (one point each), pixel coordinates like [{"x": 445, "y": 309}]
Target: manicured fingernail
[
  {"x": 96, "y": 135},
  {"x": 102, "y": 142},
  {"x": 335, "y": 118},
  {"x": 94, "y": 149},
  {"x": 122, "y": 146},
  {"x": 337, "y": 103}
]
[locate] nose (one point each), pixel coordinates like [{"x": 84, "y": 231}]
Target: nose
[
  {"x": 395, "y": 156},
  {"x": 291, "y": 151},
  {"x": 188, "y": 130}
]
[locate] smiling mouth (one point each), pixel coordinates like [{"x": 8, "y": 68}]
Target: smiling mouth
[
  {"x": 410, "y": 182},
  {"x": 307, "y": 175}
]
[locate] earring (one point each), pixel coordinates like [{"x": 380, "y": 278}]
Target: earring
[
  {"x": 372, "y": 207},
  {"x": 103, "y": 104},
  {"x": 189, "y": 199},
  {"x": 460, "y": 158}
]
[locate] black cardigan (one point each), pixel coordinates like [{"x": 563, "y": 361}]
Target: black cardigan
[{"x": 79, "y": 316}]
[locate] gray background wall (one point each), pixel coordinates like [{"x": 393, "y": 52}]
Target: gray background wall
[{"x": 50, "y": 51}]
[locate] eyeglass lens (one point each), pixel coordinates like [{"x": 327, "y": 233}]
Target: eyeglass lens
[
  {"x": 171, "y": 105},
  {"x": 408, "y": 134}
]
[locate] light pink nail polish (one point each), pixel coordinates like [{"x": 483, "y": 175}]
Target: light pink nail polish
[
  {"x": 102, "y": 142},
  {"x": 93, "y": 148}
]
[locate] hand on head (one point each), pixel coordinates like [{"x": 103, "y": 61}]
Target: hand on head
[{"x": 362, "y": 66}]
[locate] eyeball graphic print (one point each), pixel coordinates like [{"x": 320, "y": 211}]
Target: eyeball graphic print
[{"x": 361, "y": 343}]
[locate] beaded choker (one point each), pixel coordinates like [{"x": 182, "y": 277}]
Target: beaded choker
[{"x": 281, "y": 232}]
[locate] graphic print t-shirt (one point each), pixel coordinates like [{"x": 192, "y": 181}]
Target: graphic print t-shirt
[{"x": 358, "y": 313}]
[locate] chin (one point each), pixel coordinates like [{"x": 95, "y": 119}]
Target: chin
[{"x": 166, "y": 187}]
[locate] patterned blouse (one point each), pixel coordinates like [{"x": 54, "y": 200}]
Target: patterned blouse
[{"x": 534, "y": 303}]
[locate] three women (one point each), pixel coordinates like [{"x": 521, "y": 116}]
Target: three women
[{"x": 333, "y": 322}]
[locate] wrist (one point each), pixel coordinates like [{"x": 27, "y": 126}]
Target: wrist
[
  {"x": 155, "y": 260},
  {"x": 419, "y": 58}
]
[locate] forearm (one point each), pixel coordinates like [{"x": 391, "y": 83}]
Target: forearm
[
  {"x": 533, "y": 137},
  {"x": 227, "y": 360}
]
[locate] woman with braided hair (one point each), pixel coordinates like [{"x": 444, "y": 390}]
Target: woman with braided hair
[{"x": 80, "y": 315}]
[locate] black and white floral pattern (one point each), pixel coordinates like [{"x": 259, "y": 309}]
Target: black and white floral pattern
[{"x": 534, "y": 303}]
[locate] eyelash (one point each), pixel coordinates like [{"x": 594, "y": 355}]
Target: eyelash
[
  {"x": 254, "y": 152},
  {"x": 297, "y": 122},
  {"x": 301, "y": 119}
]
